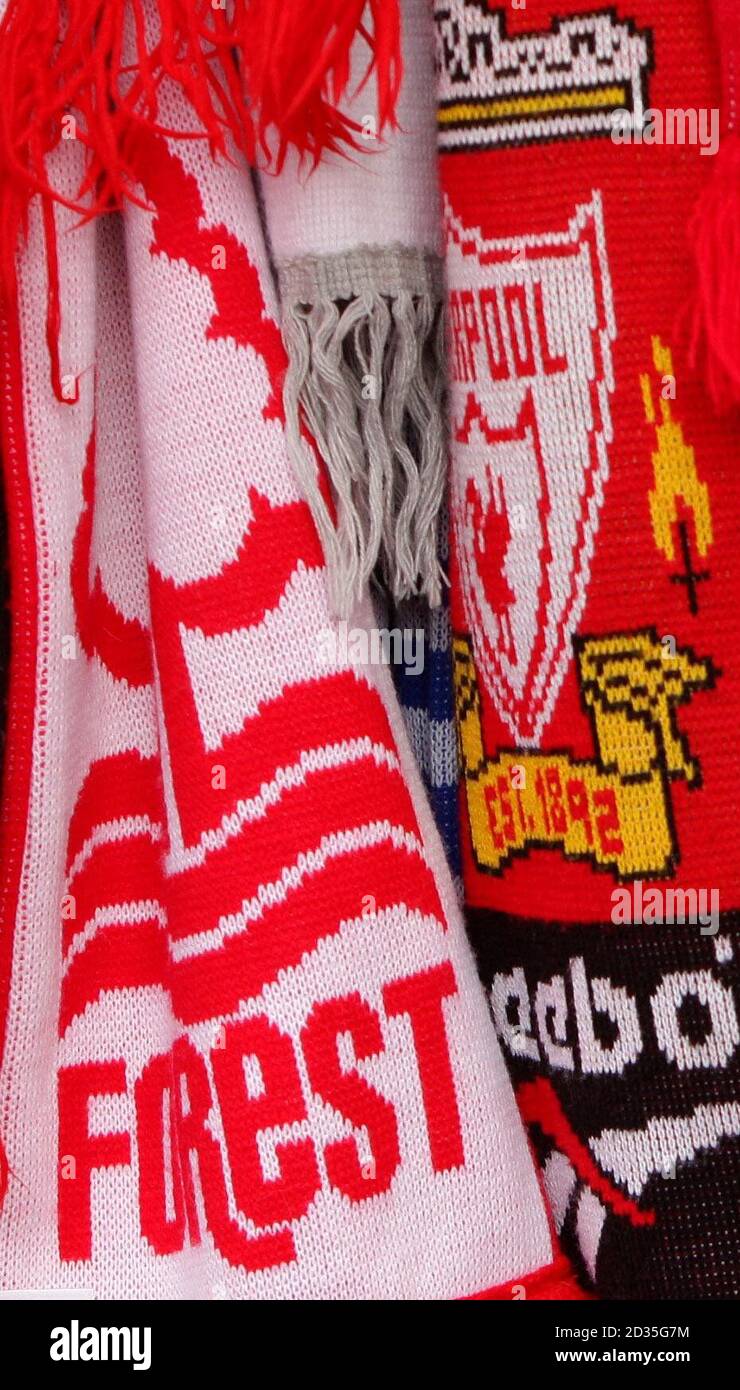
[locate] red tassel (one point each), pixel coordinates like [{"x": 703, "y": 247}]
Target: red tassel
[
  {"x": 297, "y": 60},
  {"x": 714, "y": 234},
  {"x": 266, "y": 74}
]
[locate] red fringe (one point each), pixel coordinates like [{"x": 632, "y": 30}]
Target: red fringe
[
  {"x": 266, "y": 75},
  {"x": 714, "y": 234}
]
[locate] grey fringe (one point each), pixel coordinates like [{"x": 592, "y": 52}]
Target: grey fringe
[{"x": 364, "y": 334}]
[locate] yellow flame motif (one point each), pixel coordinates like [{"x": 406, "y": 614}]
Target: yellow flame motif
[{"x": 674, "y": 467}]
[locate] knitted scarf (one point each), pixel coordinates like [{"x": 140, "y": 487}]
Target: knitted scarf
[
  {"x": 590, "y": 173},
  {"x": 245, "y": 1052}
]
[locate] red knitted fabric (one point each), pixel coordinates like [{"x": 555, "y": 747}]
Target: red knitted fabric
[
  {"x": 244, "y": 1051},
  {"x": 595, "y": 607}
]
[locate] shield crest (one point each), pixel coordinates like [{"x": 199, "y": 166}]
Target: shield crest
[{"x": 532, "y": 326}]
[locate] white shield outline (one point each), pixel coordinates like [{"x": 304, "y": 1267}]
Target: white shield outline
[{"x": 513, "y": 431}]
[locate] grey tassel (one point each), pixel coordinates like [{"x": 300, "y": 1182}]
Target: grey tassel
[{"x": 364, "y": 332}]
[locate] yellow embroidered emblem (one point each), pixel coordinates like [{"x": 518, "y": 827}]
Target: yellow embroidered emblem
[
  {"x": 615, "y": 810},
  {"x": 679, "y": 492},
  {"x": 674, "y": 467}
]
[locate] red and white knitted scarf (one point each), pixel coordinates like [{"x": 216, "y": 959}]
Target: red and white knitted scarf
[
  {"x": 244, "y": 1050},
  {"x": 592, "y": 212}
]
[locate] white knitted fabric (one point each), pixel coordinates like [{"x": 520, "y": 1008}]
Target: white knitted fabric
[
  {"x": 387, "y": 195},
  {"x": 247, "y": 1054}
]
